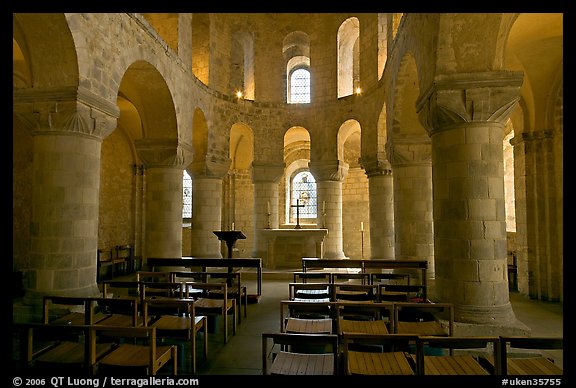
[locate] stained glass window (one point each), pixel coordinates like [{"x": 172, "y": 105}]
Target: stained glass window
[
  {"x": 186, "y": 195},
  {"x": 303, "y": 193}
]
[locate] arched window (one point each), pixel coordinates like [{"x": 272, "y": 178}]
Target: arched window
[
  {"x": 300, "y": 86},
  {"x": 186, "y": 195},
  {"x": 303, "y": 193}
]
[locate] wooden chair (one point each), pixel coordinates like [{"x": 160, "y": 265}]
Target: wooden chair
[
  {"x": 307, "y": 317},
  {"x": 378, "y": 354},
  {"x": 121, "y": 289},
  {"x": 68, "y": 310},
  {"x": 424, "y": 318},
  {"x": 354, "y": 292},
  {"x": 402, "y": 293},
  {"x": 213, "y": 302},
  {"x": 109, "y": 258},
  {"x": 351, "y": 277},
  {"x": 316, "y": 276},
  {"x": 361, "y": 317},
  {"x": 456, "y": 355},
  {"x": 299, "y": 354},
  {"x": 177, "y": 319},
  {"x": 317, "y": 292},
  {"x": 528, "y": 355},
  {"x": 126, "y": 253},
  {"x": 57, "y": 349},
  {"x": 118, "y": 311},
  {"x": 161, "y": 289},
  {"x": 135, "y": 351},
  {"x": 233, "y": 280},
  {"x": 389, "y": 278}
]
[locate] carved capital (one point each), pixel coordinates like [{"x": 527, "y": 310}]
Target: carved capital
[
  {"x": 210, "y": 167},
  {"x": 470, "y": 97},
  {"x": 267, "y": 171},
  {"x": 164, "y": 152},
  {"x": 65, "y": 110},
  {"x": 410, "y": 151},
  {"x": 335, "y": 170},
  {"x": 375, "y": 167}
]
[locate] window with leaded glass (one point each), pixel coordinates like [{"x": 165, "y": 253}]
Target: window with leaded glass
[
  {"x": 186, "y": 195},
  {"x": 304, "y": 194}
]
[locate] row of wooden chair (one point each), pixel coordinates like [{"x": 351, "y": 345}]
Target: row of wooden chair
[
  {"x": 92, "y": 350},
  {"x": 357, "y": 292},
  {"x": 339, "y": 316},
  {"x": 405, "y": 354},
  {"x": 359, "y": 277}
]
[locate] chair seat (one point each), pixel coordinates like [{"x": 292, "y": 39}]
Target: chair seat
[
  {"x": 453, "y": 365},
  {"x": 368, "y": 363},
  {"x": 129, "y": 355},
  {"x": 70, "y": 353},
  {"x": 303, "y": 364}
]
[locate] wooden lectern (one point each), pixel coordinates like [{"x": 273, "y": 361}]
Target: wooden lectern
[{"x": 230, "y": 237}]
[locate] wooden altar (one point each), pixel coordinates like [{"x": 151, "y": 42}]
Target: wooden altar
[{"x": 287, "y": 247}]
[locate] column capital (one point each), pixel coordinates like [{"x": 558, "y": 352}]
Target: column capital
[
  {"x": 164, "y": 152},
  {"x": 413, "y": 150},
  {"x": 267, "y": 171},
  {"x": 209, "y": 167},
  {"x": 469, "y": 97},
  {"x": 329, "y": 170},
  {"x": 65, "y": 110},
  {"x": 375, "y": 167}
]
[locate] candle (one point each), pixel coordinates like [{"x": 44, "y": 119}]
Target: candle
[
  {"x": 361, "y": 226},
  {"x": 233, "y": 226},
  {"x": 323, "y": 207},
  {"x": 268, "y": 207}
]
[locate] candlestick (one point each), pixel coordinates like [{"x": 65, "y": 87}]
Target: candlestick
[
  {"x": 268, "y": 207},
  {"x": 323, "y": 207}
]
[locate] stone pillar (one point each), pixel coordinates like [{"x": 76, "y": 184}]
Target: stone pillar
[
  {"x": 265, "y": 176},
  {"x": 412, "y": 165},
  {"x": 68, "y": 129},
  {"x": 329, "y": 177},
  {"x": 465, "y": 115},
  {"x": 380, "y": 186},
  {"x": 164, "y": 160},
  {"x": 207, "y": 181}
]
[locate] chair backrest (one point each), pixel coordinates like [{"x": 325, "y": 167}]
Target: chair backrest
[
  {"x": 354, "y": 292},
  {"x": 317, "y": 344},
  {"x": 161, "y": 289},
  {"x": 54, "y": 307},
  {"x": 152, "y": 276},
  {"x": 118, "y": 288},
  {"x": 351, "y": 277},
  {"x": 402, "y": 292},
  {"x": 515, "y": 360},
  {"x": 352, "y": 310},
  {"x": 177, "y": 307},
  {"x": 305, "y": 310},
  {"x": 390, "y": 278},
  {"x": 315, "y": 276},
  {"x": 310, "y": 291},
  {"x": 424, "y": 312},
  {"x": 128, "y": 306},
  {"x": 478, "y": 347}
]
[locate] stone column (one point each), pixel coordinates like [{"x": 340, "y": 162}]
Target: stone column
[
  {"x": 329, "y": 177},
  {"x": 207, "y": 180},
  {"x": 465, "y": 115},
  {"x": 380, "y": 187},
  {"x": 164, "y": 160},
  {"x": 412, "y": 164},
  {"x": 68, "y": 127},
  {"x": 265, "y": 176}
]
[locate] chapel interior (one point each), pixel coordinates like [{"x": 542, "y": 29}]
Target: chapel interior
[{"x": 403, "y": 136}]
